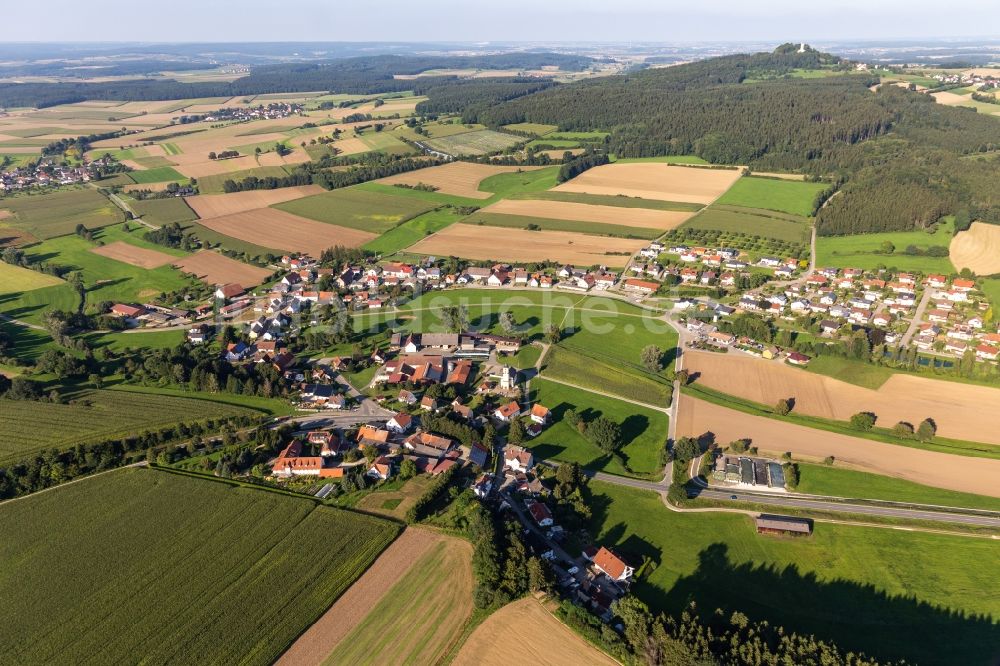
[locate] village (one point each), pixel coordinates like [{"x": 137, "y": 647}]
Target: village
[{"x": 49, "y": 172}]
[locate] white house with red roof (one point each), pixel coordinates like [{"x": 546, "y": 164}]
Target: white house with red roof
[{"x": 612, "y": 566}]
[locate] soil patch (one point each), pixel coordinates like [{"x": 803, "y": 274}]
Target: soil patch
[
  {"x": 136, "y": 256},
  {"x": 217, "y": 205},
  {"x": 654, "y": 180},
  {"x": 214, "y": 268},
  {"x": 270, "y": 227}
]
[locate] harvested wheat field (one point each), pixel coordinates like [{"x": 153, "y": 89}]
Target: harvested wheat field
[
  {"x": 270, "y": 227},
  {"x": 950, "y": 98},
  {"x": 136, "y": 256},
  {"x": 198, "y": 166},
  {"x": 152, "y": 187},
  {"x": 781, "y": 176},
  {"x": 977, "y": 249},
  {"x": 542, "y": 640},
  {"x": 930, "y": 468},
  {"x": 473, "y": 241},
  {"x": 214, "y": 268},
  {"x": 411, "y": 606},
  {"x": 564, "y": 210},
  {"x": 217, "y": 205},
  {"x": 459, "y": 178},
  {"x": 961, "y": 411},
  {"x": 654, "y": 180},
  {"x": 558, "y": 154}
]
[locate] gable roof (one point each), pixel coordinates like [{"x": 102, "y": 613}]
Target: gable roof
[{"x": 608, "y": 562}]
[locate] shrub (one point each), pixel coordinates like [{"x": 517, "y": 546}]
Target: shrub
[{"x": 863, "y": 421}]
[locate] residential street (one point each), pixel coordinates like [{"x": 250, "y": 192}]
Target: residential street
[{"x": 918, "y": 317}]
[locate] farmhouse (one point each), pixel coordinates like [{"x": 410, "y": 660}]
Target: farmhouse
[
  {"x": 228, "y": 292},
  {"x": 782, "y": 525}
]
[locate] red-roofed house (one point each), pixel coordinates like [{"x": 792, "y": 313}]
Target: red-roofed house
[
  {"x": 612, "y": 566},
  {"x": 508, "y": 412},
  {"x": 540, "y": 414},
  {"x": 541, "y": 514},
  {"x": 229, "y": 291},
  {"x": 380, "y": 469},
  {"x": 127, "y": 311},
  {"x": 517, "y": 459},
  {"x": 400, "y": 423},
  {"x": 640, "y": 286}
]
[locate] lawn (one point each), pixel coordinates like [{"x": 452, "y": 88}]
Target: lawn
[
  {"x": 28, "y": 306},
  {"x": 163, "y": 211},
  {"x": 385, "y": 142},
  {"x": 608, "y": 200},
  {"x": 608, "y": 377},
  {"x": 479, "y": 142},
  {"x": 26, "y": 343},
  {"x": 864, "y": 250},
  {"x": 547, "y": 224},
  {"x": 787, "y": 196},
  {"x": 537, "y": 129},
  {"x": 158, "y": 175},
  {"x": 644, "y": 431},
  {"x": 851, "y": 371},
  {"x": 172, "y": 568},
  {"x": 892, "y": 594},
  {"x": 57, "y": 213},
  {"x": 413, "y": 230},
  {"x": 357, "y": 208},
  {"x": 755, "y": 222},
  {"x": 991, "y": 288},
  {"x": 14, "y": 279},
  {"x": 29, "y": 427},
  {"x": 839, "y": 482}
]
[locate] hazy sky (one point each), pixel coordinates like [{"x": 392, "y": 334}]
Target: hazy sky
[{"x": 511, "y": 20}]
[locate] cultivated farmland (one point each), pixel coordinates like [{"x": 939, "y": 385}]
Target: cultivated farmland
[
  {"x": 977, "y": 249},
  {"x": 654, "y": 180},
  {"x": 214, "y": 268},
  {"x": 173, "y": 568},
  {"x": 459, "y": 178},
  {"x": 163, "y": 211},
  {"x": 157, "y": 175},
  {"x": 541, "y": 639},
  {"x": 14, "y": 279},
  {"x": 57, "y": 213},
  {"x": 29, "y": 426},
  {"x": 481, "y": 242},
  {"x": 756, "y": 222},
  {"x": 217, "y": 205},
  {"x": 961, "y": 411},
  {"x": 271, "y": 227},
  {"x": 479, "y": 142},
  {"x": 359, "y": 209},
  {"x": 133, "y": 255},
  {"x": 788, "y": 196},
  {"x": 563, "y": 210},
  {"x": 573, "y": 226}
]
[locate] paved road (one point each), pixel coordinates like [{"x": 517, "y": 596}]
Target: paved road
[
  {"x": 886, "y": 510},
  {"x": 918, "y": 317},
  {"x": 18, "y": 322}
]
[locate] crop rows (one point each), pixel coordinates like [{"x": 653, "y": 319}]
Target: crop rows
[{"x": 177, "y": 569}]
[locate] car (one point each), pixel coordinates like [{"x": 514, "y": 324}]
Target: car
[
  {"x": 573, "y": 570},
  {"x": 733, "y": 497}
]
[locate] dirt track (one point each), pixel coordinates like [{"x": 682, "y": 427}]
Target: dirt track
[
  {"x": 136, "y": 256},
  {"x": 525, "y": 633},
  {"x": 473, "y": 241},
  {"x": 270, "y": 227},
  {"x": 644, "y": 218},
  {"x": 654, "y": 180},
  {"x": 961, "y": 473},
  {"x": 961, "y": 411},
  {"x": 977, "y": 249},
  {"x": 319, "y": 640}
]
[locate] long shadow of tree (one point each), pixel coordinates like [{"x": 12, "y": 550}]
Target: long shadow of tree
[{"x": 855, "y": 616}]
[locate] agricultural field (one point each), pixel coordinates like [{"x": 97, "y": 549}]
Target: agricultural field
[
  {"x": 940, "y": 470},
  {"x": 419, "y": 618},
  {"x": 133, "y": 255},
  {"x": 537, "y": 129},
  {"x": 161, "y": 174},
  {"x": 214, "y": 184},
  {"x": 161, "y": 212},
  {"x": 658, "y": 220},
  {"x": 838, "y": 481},
  {"x": 272, "y": 227},
  {"x": 479, "y": 142},
  {"x": 14, "y": 279},
  {"x": 865, "y": 250},
  {"x": 573, "y": 226},
  {"x": 261, "y": 566},
  {"x": 518, "y": 245},
  {"x": 412, "y": 231},
  {"x": 977, "y": 249},
  {"x": 30, "y": 427},
  {"x": 29, "y": 306},
  {"x": 57, "y": 213},
  {"x": 461, "y": 179},
  {"x": 217, "y": 205},
  {"x": 360, "y": 209},
  {"x": 385, "y": 142},
  {"x": 618, "y": 201},
  {"x": 602, "y": 374},
  {"x": 541, "y": 639},
  {"x": 916, "y": 596},
  {"x": 213, "y": 268},
  {"x": 654, "y": 180},
  {"x": 752, "y": 221},
  {"x": 787, "y": 196},
  {"x": 644, "y": 431},
  {"x": 958, "y": 409}
]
